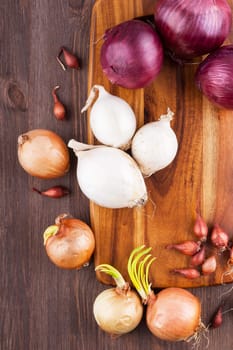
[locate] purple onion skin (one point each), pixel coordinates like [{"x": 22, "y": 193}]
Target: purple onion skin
[
  {"x": 191, "y": 28},
  {"x": 214, "y": 77},
  {"x": 132, "y": 54}
]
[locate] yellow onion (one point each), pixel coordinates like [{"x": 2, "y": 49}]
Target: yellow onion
[
  {"x": 117, "y": 310},
  {"x": 69, "y": 243},
  {"x": 42, "y": 153}
]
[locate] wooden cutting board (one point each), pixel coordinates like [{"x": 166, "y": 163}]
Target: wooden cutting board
[{"x": 201, "y": 175}]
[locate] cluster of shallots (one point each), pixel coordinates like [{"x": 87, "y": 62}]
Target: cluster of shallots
[
  {"x": 107, "y": 174},
  {"x": 200, "y": 263}
]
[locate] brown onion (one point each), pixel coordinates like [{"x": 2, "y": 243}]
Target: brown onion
[
  {"x": 42, "y": 153},
  {"x": 69, "y": 243},
  {"x": 173, "y": 314}
]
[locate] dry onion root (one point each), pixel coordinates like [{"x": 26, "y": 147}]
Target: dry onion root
[
  {"x": 117, "y": 310},
  {"x": 69, "y": 243},
  {"x": 174, "y": 314},
  {"x": 42, "y": 153}
]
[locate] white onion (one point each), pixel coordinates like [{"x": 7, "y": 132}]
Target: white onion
[
  {"x": 108, "y": 176},
  {"x": 112, "y": 120},
  {"x": 155, "y": 145}
]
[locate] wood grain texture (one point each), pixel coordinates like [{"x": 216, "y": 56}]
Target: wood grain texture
[
  {"x": 200, "y": 177},
  {"x": 41, "y": 306}
]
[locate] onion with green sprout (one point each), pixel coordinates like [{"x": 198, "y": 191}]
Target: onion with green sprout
[
  {"x": 117, "y": 310},
  {"x": 174, "y": 314}
]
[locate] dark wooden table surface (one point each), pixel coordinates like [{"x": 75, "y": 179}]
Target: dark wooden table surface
[{"x": 41, "y": 306}]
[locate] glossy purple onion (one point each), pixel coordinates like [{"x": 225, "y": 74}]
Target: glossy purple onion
[
  {"x": 191, "y": 28},
  {"x": 214, "y": 77},
  {"x": 132, "y": 54}
]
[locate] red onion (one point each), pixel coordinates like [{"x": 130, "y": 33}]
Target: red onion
[
  {"x": 214, "y": 77},
  {"x": 132, "y": 54},
  {"x": 192, "y": 28}
]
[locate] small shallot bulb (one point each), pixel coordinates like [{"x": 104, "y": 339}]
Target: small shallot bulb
[
  {"x": 200, "y": 228},
  {"x": 198, "y": 258},
  {"x": 154, "y": 146},
  {"x": 109, "y": 176},
  {"x": 209, "y": 266},
  {"x": 53, "y": 192},
  {"x": 174, "y": 314},
  {"x": 58, "y": 108},
  {"x": 219, "y": 238},
  {"x": 188, "y": 273},
  {"x": 188, "y": 247},
  {"x": 217, "y": 319},
  {"x": 42, "y": 153},
  {"x": 69, "y": 243},
  {"x": 69, "y": 58},
  {"x": 112, "y": 120},
  {"x": 117, "y": 310}
]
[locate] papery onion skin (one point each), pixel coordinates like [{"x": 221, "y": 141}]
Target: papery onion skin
[
  {"x": 113, "y": 126},
  {"x": 192, "y": 28},
  {"x": 174, "y": 314},
  {"x": 73, "y": 244},
  {"x": 154, "y": 146},
  {"x": 111, "y": 178},
  {"x": 117, "y": 312},
  {"x": 43, "y": 154},
  {"x": 132, "y": 54},
  {"x": 214, "y": 77}
]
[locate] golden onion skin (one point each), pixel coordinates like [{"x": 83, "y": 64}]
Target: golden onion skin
[
  {"x": 43, "y": 154},
  {"x": 117, "y": 312},
  {"x": 72, "y": 246},
  {"x": 174, "y": 314}
]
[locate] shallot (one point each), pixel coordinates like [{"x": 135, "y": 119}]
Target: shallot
[
  {"x": 53, "y": 192},
  {"x": 219, "y": 238},
  {"x": 200, "y": 228},
  {"x": 198, "y": 258},
  {"x": 209, "y": 266},
  {"x": 187, "y": 247},
  {"x": 70, "y": 59},
  {"x": 58, "y": 108},
  {"x": 189, "y": 273}
]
